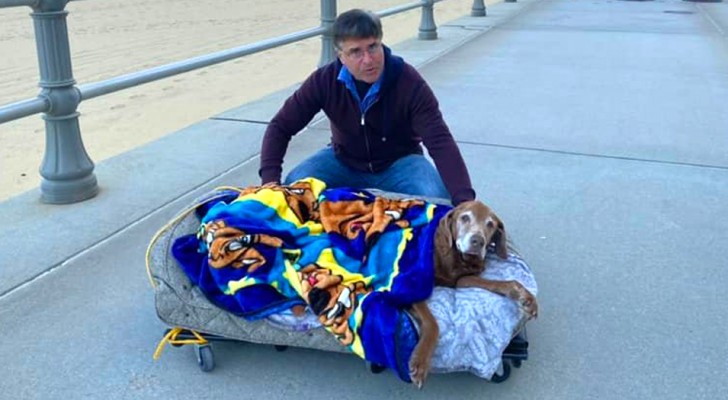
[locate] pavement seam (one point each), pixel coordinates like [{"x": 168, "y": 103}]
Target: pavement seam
[
  {"x": 553, "y": 28},
  {"x": 249, "y": 121},
  {"x": 468, "y": 27},
  {"x": 705, "y": 14},
  {"x": 592, "y": 155}
]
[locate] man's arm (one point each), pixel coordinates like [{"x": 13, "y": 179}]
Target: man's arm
[
  {"x": 297, "y": 111},
  {"x": 428, "y": 123}
]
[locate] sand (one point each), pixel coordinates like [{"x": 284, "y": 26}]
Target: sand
[{"x": 110, "y": 38}]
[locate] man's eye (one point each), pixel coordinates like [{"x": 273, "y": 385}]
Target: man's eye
[{"x": 246, "y": 240}]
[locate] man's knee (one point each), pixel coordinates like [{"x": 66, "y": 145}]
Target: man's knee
[
  {"x": 315, "y": 166},
  {"x": 418, "y": 177},
  {"x": 297, "y": 173},
  {"x": 429, "y": 186}
]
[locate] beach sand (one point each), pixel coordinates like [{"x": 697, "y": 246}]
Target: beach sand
[{"x": 110, "y": 38}]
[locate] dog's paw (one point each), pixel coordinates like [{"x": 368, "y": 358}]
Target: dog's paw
[
  {"x": 529, "y": 304},
  {"x": 419, "y": 367},
  {"x": 525, "y": 300}
]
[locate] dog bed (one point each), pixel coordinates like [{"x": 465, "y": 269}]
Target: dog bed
[{"x": 476, "y": 326}]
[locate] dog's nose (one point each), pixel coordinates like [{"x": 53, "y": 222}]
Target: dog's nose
[{"x": 477, "y": 241}]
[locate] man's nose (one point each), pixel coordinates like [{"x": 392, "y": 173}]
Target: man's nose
[{"x": 367, "y": 58}]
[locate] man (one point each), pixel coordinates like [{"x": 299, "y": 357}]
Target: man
[{"x": 380, "y": 110}]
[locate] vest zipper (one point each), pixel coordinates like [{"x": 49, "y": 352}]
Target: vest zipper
[
  {"x": 366, "y": 143},
  {"x": 366, "y": 137}
]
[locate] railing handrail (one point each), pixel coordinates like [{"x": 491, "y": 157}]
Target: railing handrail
[
  {"x": 23, "y": 108},
  {"x": 95, "y": 89},
  {"x": 17, "y": 3},
  {"x": 402, "y": 8}
]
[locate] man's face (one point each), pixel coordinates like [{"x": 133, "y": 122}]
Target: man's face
[{"x": 364, "y": 58}]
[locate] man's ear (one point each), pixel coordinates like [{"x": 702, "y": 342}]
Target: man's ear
[
  {"x": 339, "y": 53},
  {"x": 501, "y": 241}
]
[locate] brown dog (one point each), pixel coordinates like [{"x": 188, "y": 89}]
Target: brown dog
[{"x": 461, "y": 242}]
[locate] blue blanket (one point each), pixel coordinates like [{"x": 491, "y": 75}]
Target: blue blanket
[{"x": 357, "y": 260}]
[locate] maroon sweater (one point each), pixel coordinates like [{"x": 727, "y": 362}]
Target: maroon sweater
[{"x": 405, "y": 114}]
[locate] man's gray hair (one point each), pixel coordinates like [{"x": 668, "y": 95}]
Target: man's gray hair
[{"x": 356, "y": 24}]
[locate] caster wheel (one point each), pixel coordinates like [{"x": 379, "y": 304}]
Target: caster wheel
[
  {"x": 205, "y": 358},
  {"x": 375, "y": 368},
  {"x": 503, "y": 375},
  {"x": 279, "y": 347}
]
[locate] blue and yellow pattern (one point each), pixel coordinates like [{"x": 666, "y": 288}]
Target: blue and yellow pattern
[{"x": 356, "y": 260}]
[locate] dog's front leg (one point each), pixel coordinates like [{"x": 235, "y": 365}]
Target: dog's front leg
[
  {"x": 511, "y": 289},
  {"x": 419, "y": 363}
]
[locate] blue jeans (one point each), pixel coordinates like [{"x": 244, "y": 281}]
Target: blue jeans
[{"x": 412, "y": 174}]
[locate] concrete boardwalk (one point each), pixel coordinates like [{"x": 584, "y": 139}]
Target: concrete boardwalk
[{"x": 597, "y": 129}]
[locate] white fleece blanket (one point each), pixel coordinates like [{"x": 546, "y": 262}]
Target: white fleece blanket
[{"x": 475, "y": 325}]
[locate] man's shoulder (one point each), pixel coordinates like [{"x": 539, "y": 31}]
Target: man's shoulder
[
  {"x": 410, "y": 72},
  {"x": 409, "y": 79},
  {"x": 321, "y": 79},
  {"x": 327, "y": 70},
  {"x": 399, "y": 69}
]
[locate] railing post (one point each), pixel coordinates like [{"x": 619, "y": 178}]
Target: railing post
[
  {"x": 328, "y": 16},
  {"x": 428, "y": 29},
  {"x": 478, "y": 9},
  {"x": 66, "y": 170}
]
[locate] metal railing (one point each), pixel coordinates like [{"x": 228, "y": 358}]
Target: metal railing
[{"x": 66, "y": 170}]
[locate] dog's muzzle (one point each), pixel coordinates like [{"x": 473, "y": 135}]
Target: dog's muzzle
[{"x": 472, "y": 244}]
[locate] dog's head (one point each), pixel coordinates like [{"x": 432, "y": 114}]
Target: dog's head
[{"x": 470, "y": 228}]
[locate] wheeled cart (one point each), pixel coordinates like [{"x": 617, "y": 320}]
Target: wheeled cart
[{"x": 468, "y": 318}]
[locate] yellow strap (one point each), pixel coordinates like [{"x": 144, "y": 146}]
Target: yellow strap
[{"x": 171, "y": 338}]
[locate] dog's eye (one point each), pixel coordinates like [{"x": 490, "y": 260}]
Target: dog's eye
[
  {"x": 465, "y": 218},
  {"x": 490, "y": 224}
]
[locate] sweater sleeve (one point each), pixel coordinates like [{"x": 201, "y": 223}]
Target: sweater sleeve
[
  {"x": 428, "y": 123},
  {"x": 297, "y": 111}
]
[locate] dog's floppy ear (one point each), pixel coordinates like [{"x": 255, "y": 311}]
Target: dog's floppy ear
[
  {"x": 500, "y": 240},
  {"x": 443, "y": 238}
]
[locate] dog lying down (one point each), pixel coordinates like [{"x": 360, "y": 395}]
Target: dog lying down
[{"x": 461, "y": 244}]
